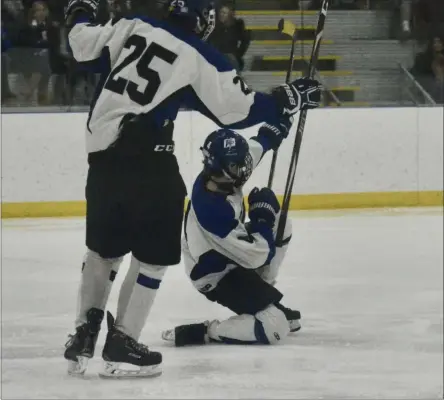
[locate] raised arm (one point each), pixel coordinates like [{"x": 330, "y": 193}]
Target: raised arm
[
  {"x": 86, "y": 38},
  {"x": 226, "y": 99}
]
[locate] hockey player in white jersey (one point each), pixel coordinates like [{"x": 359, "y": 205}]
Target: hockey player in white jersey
[
  {"x": 229, "y": 261},
  {"x": 134, "y": 193}
]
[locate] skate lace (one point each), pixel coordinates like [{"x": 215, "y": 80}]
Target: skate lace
[
  {"x": 139, "y": 346},
  {"x": 81, "y": 332}
]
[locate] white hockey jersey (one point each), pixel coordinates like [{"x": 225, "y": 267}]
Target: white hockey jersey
[
  {"x": 152, "y": 67},
  {"x": 216, "y": 239}
]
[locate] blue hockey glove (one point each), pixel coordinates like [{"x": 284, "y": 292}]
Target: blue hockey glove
[
  {"x": 274, "y": 134},
  {"x": 263, "y": 206},
  {"x": 301, "y": 94}
]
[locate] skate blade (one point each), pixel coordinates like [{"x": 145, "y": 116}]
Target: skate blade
[
  {"x": 295, "y": 326},
  {"x": 169, "y": 335},
  {"x": 112, "y": 370},
  {"x": 78, "y": 368}
]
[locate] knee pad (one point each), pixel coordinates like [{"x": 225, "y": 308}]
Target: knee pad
[
  {"x": 149, "y": 275},
  {"x": 271, "y": 325}
]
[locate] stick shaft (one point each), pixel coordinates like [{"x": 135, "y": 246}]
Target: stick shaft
[
  {"x": 301, "y": 126},
  {"x": 287, "y": 80}
]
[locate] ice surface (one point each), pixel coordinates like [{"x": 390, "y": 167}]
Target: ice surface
[{"x": 369, "y": 285}]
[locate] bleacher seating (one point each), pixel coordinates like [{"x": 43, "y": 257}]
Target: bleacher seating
[{"x": 358, "y": 62}]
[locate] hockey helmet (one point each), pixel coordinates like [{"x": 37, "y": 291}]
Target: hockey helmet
[
  {"x": 227, "y": 158},
  {"x": 200, "y": 15}
]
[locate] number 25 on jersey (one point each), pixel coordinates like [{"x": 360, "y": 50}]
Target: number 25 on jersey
[{"x": 144, "y": 55}]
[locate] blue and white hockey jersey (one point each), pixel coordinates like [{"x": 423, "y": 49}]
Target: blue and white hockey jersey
[
  {"x": 216, "y": 239},
  {"x": 151, "y": 67}
]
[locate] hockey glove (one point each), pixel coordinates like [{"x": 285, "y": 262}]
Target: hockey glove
[
  {"x": 263, "y": 207},
  {"x": 86, "y": 9},
  {"x": 301, "y": 94},
  {"x": 274, "y": 134}
]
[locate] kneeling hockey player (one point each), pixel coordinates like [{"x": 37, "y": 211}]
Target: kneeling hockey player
[{"x": 229, "y": 261}]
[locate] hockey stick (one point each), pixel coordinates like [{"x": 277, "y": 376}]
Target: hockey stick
[
  {"x": 301, "y": 126},
  {"x": 287, "y": 28}
]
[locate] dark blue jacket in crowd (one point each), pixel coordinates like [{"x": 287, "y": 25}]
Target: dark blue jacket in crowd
[{"x": 6, "y": 44}]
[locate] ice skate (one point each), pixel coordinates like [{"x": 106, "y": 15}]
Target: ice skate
[
  {"x": 295, "y": 325},
  {"x": 187, "y": 335},
  {"x": 80, "y": 347},
  {"x": 293, "y": 317},
  {"x": 124, "y": 357}
]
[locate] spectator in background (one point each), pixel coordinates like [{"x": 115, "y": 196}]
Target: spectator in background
[
  {"x": 401, "y": 19},
  {"x": 231, "y": 37},
  {"x": 119, "y": 8},
  {"x": 405, "y": 8},
  {"x": 7, "y": 95},
  {"x": 429, "y": 68},
  {"x": 34, "y": 62},
  {"x": 56, "y": 9},
  {"x": 11, "y": 20},
  {"x": 12, "y": 11},
  {"x": 429, "y": 18},
  {"x": 81, "y": 83},
  {"x": 438, "y": 69},
  {"x": 438, "y": 56},
  {"x": 59, "y": 60}
]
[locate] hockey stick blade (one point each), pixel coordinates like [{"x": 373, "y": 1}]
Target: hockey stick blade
[
  {"x": 287, "y": 27},
  {"x": 301, "y": 126}
]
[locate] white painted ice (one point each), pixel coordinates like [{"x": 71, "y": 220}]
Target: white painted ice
[{"x": 369, "y": 285}]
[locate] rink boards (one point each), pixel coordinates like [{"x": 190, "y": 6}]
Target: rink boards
[{"x": 386, "y": 157}]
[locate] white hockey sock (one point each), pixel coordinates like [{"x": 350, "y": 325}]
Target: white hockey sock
[
  {"x": 137, "y": 296},
  {"x": 266, "y": 327},
  {"x": 235, "y": 329},
  {"x": 98, "y": 275}
]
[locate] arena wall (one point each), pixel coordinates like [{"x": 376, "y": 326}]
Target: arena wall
[{"x": 379, "y": 157}]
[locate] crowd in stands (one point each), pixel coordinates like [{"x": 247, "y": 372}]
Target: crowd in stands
[
  {"x": 35, "y": 50},
  {"x": 428, "y": 68},
  {"x": 231, "y": 36}
]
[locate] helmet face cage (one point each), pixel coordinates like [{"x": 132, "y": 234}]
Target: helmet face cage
[
  {"x": 227, "y": 159},
  {"x": 203, "y": 14},
  {"x": 230, "y": 174},
  {"x": 240, "y": 173}
]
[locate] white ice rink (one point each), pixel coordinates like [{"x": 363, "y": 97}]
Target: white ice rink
[{"x": 369, "y": 285}]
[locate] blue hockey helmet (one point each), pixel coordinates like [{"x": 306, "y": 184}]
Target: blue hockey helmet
[
  {"x": 199, "y": 14},
  {"x": 227, "y": 159}
]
